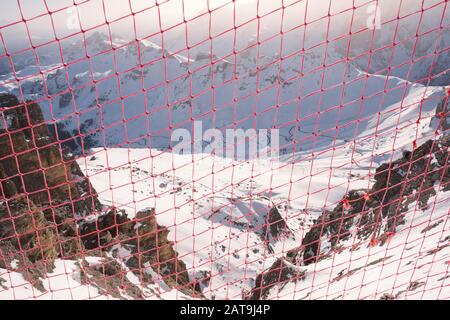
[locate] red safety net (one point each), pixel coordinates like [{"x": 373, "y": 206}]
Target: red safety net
[{"x": 98, "y": 200}]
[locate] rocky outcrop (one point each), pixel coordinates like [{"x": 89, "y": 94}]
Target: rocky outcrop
[
  {"x": 274, "y": 229},
  {"x": 42, "y": 190},
  {"x": 279, "y": 274},
  {"x": 147, "y": 244},
  {"x": 371, "y": 214},
  {"x": 108, "y": 277},
  {"x": 24, "y": 227},
  {"x": 156, "y": 250},
  {"x": 28, "y": 242},
  {"x": 49, "y": 210},
  {"x": 275, "y": 226},
  {"x": 443, "y": 113},
  {"x": 32, "y": 162},
  {"x": 377, "y": 212}
]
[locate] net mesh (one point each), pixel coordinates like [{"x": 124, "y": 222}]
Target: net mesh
[{"x": 96, "y": 204}]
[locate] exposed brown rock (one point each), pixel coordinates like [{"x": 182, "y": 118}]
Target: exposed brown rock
[
  {"x": 279, "y": 274},
  {"x": 34, "y": 163},
  {"x": 45, "y": 202},
  {"x": 42, "y": 189},
  {"x": 373, "y": 213},
  {"x": 387, "y": 296},
  {"x": 105, "y": 230},
  {"x": 275, "y": 225},
  {"x": 109, "y": 277},
  {"x": 376, "y": 213},
  {"x": 23, "y": 226},
  {"x": 154, "y": 247},
  {"x": 443, "y": 113},
  {"x": 147, "y": 242}
]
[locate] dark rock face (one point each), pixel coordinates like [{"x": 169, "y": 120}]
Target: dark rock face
[
  {"x": 443, "y": 113},
  {"x": 49, "y": 210},
  {"x": 108, "y": 277},
  {"x": 33, "y": 163},
  {"x": 275, "y": 225},
  {"x": 147, "y": 243},
  {"x": 26, "y": 229},
  {"x": 367, "y": 214},
  {"x": 101, "y": 232},
  {"x": 154, "y": 248},
  {"x": 42, "y": 189},
  {"x": 279, "y": 274},
  {"x": 376, "y": 213}
]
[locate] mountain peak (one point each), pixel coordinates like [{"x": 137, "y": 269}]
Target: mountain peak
[{"x": 97, "y": 37}]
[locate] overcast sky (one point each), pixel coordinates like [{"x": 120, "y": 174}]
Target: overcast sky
[{"x": 94, "y": 13}]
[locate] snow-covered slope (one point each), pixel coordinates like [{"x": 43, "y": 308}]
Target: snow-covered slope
[
  {"x": 216, "y": 222},
  {"x": 420, "y": 32},
  {"x": 69, "y": 282},
  {"x": 216, "y": 209},
  {"x": 414, "y": 264},
  {"x": 138, "y": 93}
]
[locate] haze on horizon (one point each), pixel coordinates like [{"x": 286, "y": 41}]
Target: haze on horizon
[{"x": 152, "y": 16}]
